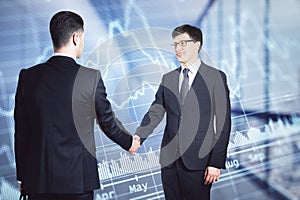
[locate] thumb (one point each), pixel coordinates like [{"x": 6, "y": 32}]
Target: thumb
[{"x": 205, "y": 173}]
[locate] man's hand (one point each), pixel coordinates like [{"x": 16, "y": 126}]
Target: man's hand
[
  {"x": 20, "y": 186},
  {"x": 211, "y": 175},
  {"x": 136, "y": 144}
]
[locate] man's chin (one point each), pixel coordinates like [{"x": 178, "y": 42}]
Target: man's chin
[{"x": 181, "y": 59}]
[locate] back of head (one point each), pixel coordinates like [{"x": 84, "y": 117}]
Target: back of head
[
  {"x": 194, "y": 32},
  {"x": 62, "y": 25}
]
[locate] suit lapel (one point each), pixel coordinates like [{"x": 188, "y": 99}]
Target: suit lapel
[
  {"x": 199, "y": 76},
  {"x": 176, "y": 78},
  {"x": 199, "y": 80},
  {"x": 172, "y": 82},
  {"x": 173, "y": 85},
  {"x": 176, "y": 87}
]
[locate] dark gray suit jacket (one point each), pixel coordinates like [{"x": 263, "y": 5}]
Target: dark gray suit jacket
[
  {"x": 57, "y": 103},
  {"x": 197, "y": 131}
]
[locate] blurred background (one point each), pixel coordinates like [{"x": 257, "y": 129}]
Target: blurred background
[{"x": 256, "y": 43}]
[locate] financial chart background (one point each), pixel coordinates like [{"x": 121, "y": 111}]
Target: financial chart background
[{"x": 256, "y": 43}]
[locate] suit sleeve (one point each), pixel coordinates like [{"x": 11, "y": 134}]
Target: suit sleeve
[
  {"x": 110, "y": 125},
  {"x": 154, "y": 115},
  {"x": 21, "y": 129},
  {"x": 222, "y": 112}
]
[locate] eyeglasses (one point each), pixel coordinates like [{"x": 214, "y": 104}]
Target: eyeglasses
[{"x": 182, "y": 43}]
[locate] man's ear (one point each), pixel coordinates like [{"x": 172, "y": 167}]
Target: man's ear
[
  {"x": 199, "y": 45},
  {"x": 75, "y": 38}
]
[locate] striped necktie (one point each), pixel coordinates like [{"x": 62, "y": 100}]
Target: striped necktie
[{"x": 185, "y": 84}]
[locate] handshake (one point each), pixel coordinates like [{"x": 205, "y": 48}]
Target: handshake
[{"x": 136, "y": 144}]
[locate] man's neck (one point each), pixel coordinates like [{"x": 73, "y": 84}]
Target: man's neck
[{"x": 65, "y": 51}]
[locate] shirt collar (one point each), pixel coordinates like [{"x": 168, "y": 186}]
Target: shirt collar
[
  {"x": 194, "y": 67},
  {"x": 64, "y": 54}
]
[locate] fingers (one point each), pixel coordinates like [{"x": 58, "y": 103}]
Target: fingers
[
  {"x": 210, "y": 180},
  {"x": 136, "y": 137},
  {"x": 135, "y": 144}
]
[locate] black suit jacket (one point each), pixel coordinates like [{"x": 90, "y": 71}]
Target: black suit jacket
[
  {"x": 197, "y": 130},
  {"x": 56, "y": 105}
]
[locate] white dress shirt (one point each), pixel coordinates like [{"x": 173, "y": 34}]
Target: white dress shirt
[{"x": 193, "y": 69}]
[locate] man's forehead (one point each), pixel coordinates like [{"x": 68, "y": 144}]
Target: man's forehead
[{"x": 180, "y": 37}]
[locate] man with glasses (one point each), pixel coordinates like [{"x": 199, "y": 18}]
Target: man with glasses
[{"x": 195, "y": 97}]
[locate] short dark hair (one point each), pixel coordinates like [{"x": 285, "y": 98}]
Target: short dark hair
[
  {"x": 62, "y": 25},
  {"x": 194, "y": 32}
]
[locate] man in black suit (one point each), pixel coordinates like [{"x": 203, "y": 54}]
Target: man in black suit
[
  {"x": 196, "y": 99},
  {"x": 57, "y": 103}
]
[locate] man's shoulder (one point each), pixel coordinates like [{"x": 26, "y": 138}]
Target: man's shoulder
[
  {"x": 87, "y": 75},
  {"x": 208, "y": 67},
  {"x": 33, "y": 69},
  {"x": 211, "y": 69},
  {"x": 88, "y": 71},
  {"x": 173, "y": 72}
]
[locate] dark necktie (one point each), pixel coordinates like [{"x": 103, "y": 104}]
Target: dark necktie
[{"x": 185, "y": 84}]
